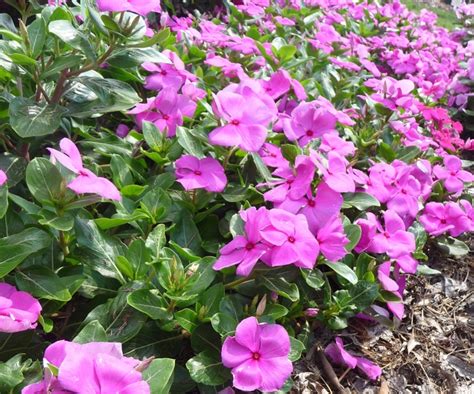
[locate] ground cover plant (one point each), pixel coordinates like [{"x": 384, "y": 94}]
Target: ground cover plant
[{"x": 184, "y": 200}]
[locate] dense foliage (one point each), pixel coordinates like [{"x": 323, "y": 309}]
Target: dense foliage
[{"x": 184, "y": 199}]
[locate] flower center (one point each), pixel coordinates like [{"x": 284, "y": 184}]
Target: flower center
[
  {"x": 289, "y": 181},
  {"x": 163, "y": 72},
  {"x": 386, "y": 234},
  {"x": 453, "y": 173},
  {"x": 249, "y": 246},
  {"x": 310, "y": 133},
  {"x": 256, "y": 356},
  {"x": 197, "y": 172},
  {"x": 443, "y": 221},
  {"x": 235, "y": 122},
  {"x": 291, "y": 239},
  {"x": 311, "y": 203},
  {"x": 166, "y": 117}
]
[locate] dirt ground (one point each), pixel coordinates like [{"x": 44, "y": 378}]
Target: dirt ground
[{"x": 430, "y": 352}]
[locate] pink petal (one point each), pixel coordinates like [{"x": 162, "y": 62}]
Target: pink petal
[
  {"x": 70, "y": 149},
  {"x": 233, "y": 354},
  {"x": 274, "y": 340},
  {"x": 274, "y": 373},
  {"x": 247, "y": 334}
]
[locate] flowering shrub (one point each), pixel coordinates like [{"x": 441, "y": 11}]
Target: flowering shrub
[{"x": 183, "y": 199}]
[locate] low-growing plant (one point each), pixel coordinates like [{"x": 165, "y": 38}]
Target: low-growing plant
[{"x": 189, "y": 198}]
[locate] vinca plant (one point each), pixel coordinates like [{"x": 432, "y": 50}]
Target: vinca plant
[{"x": 184, "y": 200}]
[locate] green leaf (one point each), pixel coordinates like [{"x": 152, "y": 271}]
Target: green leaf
[
  {"x": 22, "y": 60},
  {"x": 92, "y": 95},
  {"x": 297, "y": 347},
  {"x": 453, "y": 246},
  {"x": 361, "y": 201},
  {"x": 187, "y": 319},
  {"x": 211, "y": 298},
  {"x": 205, "y": 338},
  {"x": 353, "y": 233},
  {"x": 16, "y": 248},
  {"x": 133, "y": 57},
  {"x": 313, "y": 278},
  {"x": 425, "y": 270},
  {"x": 59, "y": 64},
  {"x": 42, "y": 283},
  {"x": 98, "y": 250},
  {"x": 150, "y": 303},
  {"x": 363, "y": 294},
  {"x": 153, "y": 136},
  {"x": 156, "y": 240},
  {"x": 44, "y": 180},
  {"x": 207, "y": 369},
  {"x": 185, "y": 233},
  {"x": 92, "y": 332},
  {"x": 224, "y": 324},
  {"x": 31, "y": 119},
  {"x": 67, "y": 33},
  {"x": 159, "y": 375},
  {"x": 46, "y": 324},
  {"x": 37, "y": 37},
  {"x": 10, "y": 377},
  {"x": 281, "y": 287},
  {"x": 344, "y": 271},
  {"x": 156, "y": 203},
  {"x": 189, "y": 142},
  {"x": 3, "y": 200}
]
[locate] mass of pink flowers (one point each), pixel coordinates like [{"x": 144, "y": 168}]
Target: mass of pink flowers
[{"x": 319, "y": 133}]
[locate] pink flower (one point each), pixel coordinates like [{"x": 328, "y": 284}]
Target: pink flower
[
  {"x": 258, "y": 356},
  {"x": 166, "y": 111},
  {"x": 167, "y": 75},
  {"x": 332, "y": 142},
  {"x": 245, "y": 250},
  {"x": 271, "y": 155},
  {"x": 86, "y": 181},
  {"x": 452, "y": 174},
  {"x": 393, "y": 239},
  {"x": 230, "y": 70},
  {"x": 332, "y": 239},
  {"x": 308, "y": 122},
  {"x": 291, "y": 240},
  {"x": 396, "y": 286},
  {"x": 122, "y": 130},
  {"x": 246, "y": 113},
  {"x": 3, "y": 178},
  {"x": 294, "y": 184},
  {"x": 96, "y": 367},
  {"x": 142, "y": 7},
  {"x": 338, "y": 355},
  {"x": 19, "y": 311},
  {"x": 194, "y": 173},
  {"x": 335, "y": 171},
  {"x": 438, "y": 218},
  {"x": 280, "y": 83}
]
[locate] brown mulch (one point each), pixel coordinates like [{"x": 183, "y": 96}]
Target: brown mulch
[{"x": 432, "y": 351}]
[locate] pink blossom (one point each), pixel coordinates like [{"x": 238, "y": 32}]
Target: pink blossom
[
  {"x": 142, "y": 7},
  {"x": 332, "y": 142},
  {"x": 229, "y": 69},
  {"x": 19, "y": 311},
  {"x": 395, "y": 286},
  {"x": 452, "y": 174},
  {"x": 96, "y": 367},
  {"x": 86, "y": 181},
  {"x": 393, "y": 239},
  {"x": 258, "y": 356},
  {"x": 167, "y": 75},
  {"x": 122, "y": 130},
  {"x": 280, "y": 83},
  {"x": 166, "y": 111},
  {"x": 3, "y": 178},
  {"x": 450, "y": 217},
  {"x": 308, "y": 122},
  {"x": 271, "y": 155},
  {"x": 194, "y": 173},
  {"x": 295, "y": 182},
  {"x": 246, "y": 114},
  {"x": 245, "y": 250},
  {"x": 331, "y": 239},
  {"x": 291, "y": 240},
  {"x": 335, "y": 171},
  {"x": 338, "y": 355}
]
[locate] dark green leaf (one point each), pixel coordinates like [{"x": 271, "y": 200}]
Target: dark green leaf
[
  {"x": 206, "y": 368},
  {"x": 42, "y": 283},
  {"x": 159, "y": 375},
  {"x": 92, "y": 332}
]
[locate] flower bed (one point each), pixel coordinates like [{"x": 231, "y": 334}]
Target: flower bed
[{"x": 184, "y": 201}]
